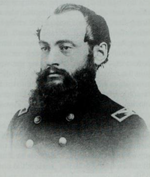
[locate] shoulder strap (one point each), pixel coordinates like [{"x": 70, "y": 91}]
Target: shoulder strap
[
  {"x": 122, "y": 114},
  {"x": 23, "y": 111}
]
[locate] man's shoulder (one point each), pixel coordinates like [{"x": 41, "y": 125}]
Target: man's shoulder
[
  {"x": 108, "y": 108},
  {"x": 22, "y": 116},
  {"x": 120, "y": 115},
  {"x": 108, "y": 112},
  {"x": 128, "y": 120}
]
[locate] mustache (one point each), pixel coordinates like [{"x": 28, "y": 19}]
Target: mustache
[
  {"x": 50, "y": 70},
  {"x": 43, "y": 85}
]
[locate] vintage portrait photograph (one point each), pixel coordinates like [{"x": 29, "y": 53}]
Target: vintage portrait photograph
[{"x": 75, "y": 88}]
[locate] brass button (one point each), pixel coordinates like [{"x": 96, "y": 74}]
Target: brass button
[
  {"x": 37, "y": 119},
  {"x": 70, "y": 117},
  {"x": 29, "y": 143},
  {"x": 62, "y": 141}
]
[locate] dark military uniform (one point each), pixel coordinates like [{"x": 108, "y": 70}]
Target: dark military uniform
[{"x": 94, "y": 130}]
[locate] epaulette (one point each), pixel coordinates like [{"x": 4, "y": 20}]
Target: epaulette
[
  {"x": 23, "y": 111},
  {"x": 122, "y": 114}
]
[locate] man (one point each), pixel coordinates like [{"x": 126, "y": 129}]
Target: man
[{"x": 68, "y": 120}]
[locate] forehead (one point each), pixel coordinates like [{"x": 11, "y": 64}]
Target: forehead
[{"x": 69, "y": 25}]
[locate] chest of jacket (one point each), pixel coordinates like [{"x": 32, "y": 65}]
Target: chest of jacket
[{"x": 88, "y": 137}]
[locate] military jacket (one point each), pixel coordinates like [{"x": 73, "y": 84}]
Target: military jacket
[{"x": 94, "y": 130}]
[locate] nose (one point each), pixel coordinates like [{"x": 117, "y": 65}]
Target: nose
[
  {"x": 53, "y": 58},
  {"x": 53, "y": 65}
]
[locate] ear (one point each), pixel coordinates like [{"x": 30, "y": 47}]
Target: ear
[{"x": 100, "y": 53}]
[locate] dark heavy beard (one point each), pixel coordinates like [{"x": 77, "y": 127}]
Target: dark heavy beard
[
  {"x": 49, "y": 99},
  {"x": 50, "y": 89}
]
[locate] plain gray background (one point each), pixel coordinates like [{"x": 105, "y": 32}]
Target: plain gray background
[{"x": 125, "y": 77}]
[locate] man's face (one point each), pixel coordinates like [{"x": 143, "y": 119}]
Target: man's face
[{"x": 62, "y": 44}]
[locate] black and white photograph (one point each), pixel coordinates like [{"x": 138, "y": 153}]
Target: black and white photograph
[{"x": 74, "y": 88}]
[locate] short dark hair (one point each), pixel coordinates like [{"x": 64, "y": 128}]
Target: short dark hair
[{"x": 97, "y": 30}]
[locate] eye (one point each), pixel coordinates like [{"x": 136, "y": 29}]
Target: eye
[
  {"x": 46, "y": 48},
  {"x": 65, "y": 48}
]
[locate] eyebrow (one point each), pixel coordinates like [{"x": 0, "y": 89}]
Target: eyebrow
[
  {"x": 65, "y": 41},
  {"x": 44, "y": 42},
  {"x": 59, "y": 42}
]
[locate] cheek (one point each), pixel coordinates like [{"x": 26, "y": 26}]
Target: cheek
[
  {"x": 75, "y": 63},
  {"x": 80, "y": 57},
  {"x": 43, "y": 62}
]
